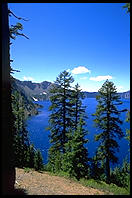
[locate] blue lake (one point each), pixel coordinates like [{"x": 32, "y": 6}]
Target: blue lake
[{"x": 38, "y": 135}]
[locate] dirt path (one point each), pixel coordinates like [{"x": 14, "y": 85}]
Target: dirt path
[{"x": 35, "y": 183}]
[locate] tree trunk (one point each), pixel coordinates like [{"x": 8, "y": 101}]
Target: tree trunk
[
  {"x": 107, "y": 170},
  {"x": 108, "y": 137},
  {"x": 8, "y": 169},
  {"x": 64, "y": 119}
]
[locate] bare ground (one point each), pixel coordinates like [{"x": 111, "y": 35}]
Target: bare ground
[{"x": 36, "y": 183}]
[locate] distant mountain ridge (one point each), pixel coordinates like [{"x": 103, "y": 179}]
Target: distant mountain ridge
[
  {"x": 41, "y": 91},
  {"x": 36, "y": 91},
  {"x": 30, "y": 108},
  {"x": 125, "y": 95}
]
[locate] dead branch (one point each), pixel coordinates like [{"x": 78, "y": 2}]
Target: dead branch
[{"x": 20, "y": 18}]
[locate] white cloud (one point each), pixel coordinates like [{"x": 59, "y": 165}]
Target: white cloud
[
  {"x": 80, "y": 70},
  {"x": 28, "y": 78},
  {"x": 100, "y": 78}
]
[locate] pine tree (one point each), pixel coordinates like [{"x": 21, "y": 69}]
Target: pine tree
[
  {"x": 121, "y": 175},
  {"x": 77, "y": 116},
  {"x": 77, "y": 108},
  {"x": 60, "y": 118},
  {"x": 76, "y": 157},
  {"x": 30, "y": 155},
  {"x": 107, "y": 119},
  {"x": 97, "y": 166},
  {"x": 38, "y": 161},
  {"x": 68, "y": 156},
  {"x": 128, "y": 130},
  {"x": 21, "y": 141}
]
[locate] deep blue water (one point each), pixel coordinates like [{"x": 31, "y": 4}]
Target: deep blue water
[{"x": 38, "y": 135}]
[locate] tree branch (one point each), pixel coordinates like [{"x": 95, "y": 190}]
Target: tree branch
[
  {"x": 22, "y": 35},
  {"x": 20, "y": 18}
]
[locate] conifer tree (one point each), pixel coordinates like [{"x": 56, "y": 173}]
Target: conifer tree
[
  {"x": 78, "y": 119},
  {"x": 30, "y": 155},
  {"x": 21, "y": 141},
  {"x": 77, "y": 108},
  {"x": 60, "y": 118},
  {"x": 68, "y": 156},
  {"x": 76, "y": 157},
  {"x": 97, "y": 166},
  {"x": 128, "y": 130},
  {"x": 108, "y": 121},
  {"x": 38, "y": 161}
]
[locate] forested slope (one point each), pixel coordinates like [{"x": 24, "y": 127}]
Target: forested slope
[{"x": 30, "y": 108}]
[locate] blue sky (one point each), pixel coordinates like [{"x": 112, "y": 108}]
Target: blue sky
[{"x": 90, "y": 40}]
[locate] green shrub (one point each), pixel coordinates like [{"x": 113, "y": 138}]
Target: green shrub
[
  {"x": 121, "y": 175},
  {"x": 106, "y": 188},
  {"x": 27, "y": 170}
]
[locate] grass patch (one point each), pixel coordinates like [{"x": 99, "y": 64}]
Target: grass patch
[
  {"x": 27, "y": 170},
  {"x": 108, "y": 188},
  {"x": 60, "y": 174},
  {"x": 63, "y": 174}
]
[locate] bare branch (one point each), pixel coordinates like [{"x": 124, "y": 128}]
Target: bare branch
[
  {"x": 20, "y": 18},
  {"x": 14, "y": 70},
  {"x": 22, "y": 35}
]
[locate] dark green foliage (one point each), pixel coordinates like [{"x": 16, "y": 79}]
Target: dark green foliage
[
  {"x": 75, "y": 160},
  {"x": 21, "y": 141},
  {"x": 61, "y": 109},
  {"x": 58, "y": 161},
  {"x": 78, "y": 111},
  {"x": 55, "y": 160},
  {"x": 97, "y": 167},
  {"x": 25, "y": 154},
  {"x": 67, "y": 152},
  {"x": 38, "y": 161},
  {"x": 107, "y": 119},
  {"x": 121, "y": 175},
  {"x": 68, "y": 157},
  {"x": 30, "y": 155},
  {"x": 128, "y": 130}
]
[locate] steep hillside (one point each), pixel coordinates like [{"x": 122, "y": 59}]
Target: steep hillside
[
  {"x": 30, "y": 182},
  {"x": 36, "y": 91},
  {"x": 36, "y": 183},
  {"x": 30, "y": 107}
]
